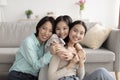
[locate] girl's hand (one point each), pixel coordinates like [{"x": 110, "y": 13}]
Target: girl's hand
[
  {"x": 64, "y": 54},
  {"x": 61, "y": 51}
]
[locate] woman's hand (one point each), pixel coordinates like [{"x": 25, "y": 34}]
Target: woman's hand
[
  {"x": 82, "y": 56},
  {"x": 78, "y": 46},
  {"x": 81, "y": 53},
  {"x": 65, "y": 54},
  {"x": 61, "y": 51},
  {"x": 74, "y": 61}
]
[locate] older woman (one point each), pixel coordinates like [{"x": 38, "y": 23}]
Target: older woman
[{"x": 30, "y": 57}]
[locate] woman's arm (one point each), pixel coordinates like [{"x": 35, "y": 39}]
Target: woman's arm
[
  {"x": 61, "y": 51},
  {"x": 28, "y": 51},
  {"x": 79, "y": 59},
  {"x": 53, "y": 72},
  {"x": 53, "y": 66},
  {"x": 82, "y": 57},
  {"x": 73, "y": 61},
  {"x": 81, "y": 72},
  {"x": 81, "y": 53}
]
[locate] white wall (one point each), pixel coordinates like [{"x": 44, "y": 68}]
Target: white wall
[{"x": 104, "y": 11}]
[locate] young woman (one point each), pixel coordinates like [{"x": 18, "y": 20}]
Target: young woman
[
  {"x": 30, "y": 57},
  {"x": 61, "y": 68},
  {"x": 73, "y": 69}
]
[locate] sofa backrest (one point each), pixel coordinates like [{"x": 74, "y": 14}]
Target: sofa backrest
[{"x": 13, "y": 33}]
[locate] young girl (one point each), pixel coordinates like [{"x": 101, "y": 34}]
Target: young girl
[{"x": 61, "y": 31}]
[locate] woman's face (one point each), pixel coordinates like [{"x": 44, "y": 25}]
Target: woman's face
[
  {"x": 76, "y": 33},
  {"x": 62, "y": 29},
  {"x": 45, "y": 32}
]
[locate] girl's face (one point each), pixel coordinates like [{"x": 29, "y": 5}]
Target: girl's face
[
  {"x": 45, "y": 32},
  {"x": 62, "y": 29},
  {"x": 76, "y": 33}
]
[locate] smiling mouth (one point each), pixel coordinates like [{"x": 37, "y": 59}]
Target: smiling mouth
[
  {"x": 45, "y": 37},
  {"x": 75, "y": 39}
]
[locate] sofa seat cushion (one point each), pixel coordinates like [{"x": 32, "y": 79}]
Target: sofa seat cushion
[
  {"x": 99, "y": 55},
  {"x": 7, "y": 55}
]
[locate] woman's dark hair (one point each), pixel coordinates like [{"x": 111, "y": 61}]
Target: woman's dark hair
[
  {"x": 67, "y": 19},
  {"x": 44, "y": 20},
  {"x": 79, "y": 22}
]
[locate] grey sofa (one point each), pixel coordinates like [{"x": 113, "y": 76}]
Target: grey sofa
[{"x": 12, "y": 34}]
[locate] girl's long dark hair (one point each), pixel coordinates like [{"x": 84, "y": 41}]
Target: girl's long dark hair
[{"x": 67, "y": 19}]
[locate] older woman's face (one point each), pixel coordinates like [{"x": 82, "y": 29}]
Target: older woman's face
[
  {"x": 62, "y": 29},
  {"x": 45, "y": 32}
]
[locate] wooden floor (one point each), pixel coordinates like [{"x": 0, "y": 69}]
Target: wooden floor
[{"x": 3, "y": 77}]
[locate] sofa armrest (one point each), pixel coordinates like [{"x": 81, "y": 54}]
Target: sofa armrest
[{"x": 113, "y": 44}]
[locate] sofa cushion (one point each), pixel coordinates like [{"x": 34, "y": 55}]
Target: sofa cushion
[
  {"x": 12, "y": 33},
  {"x": 7, "y": 55},
  {"x": 95, "y": 37},
  {"x": 99, "y": 55}
]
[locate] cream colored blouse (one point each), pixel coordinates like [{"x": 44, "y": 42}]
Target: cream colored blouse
[{"x": 57, "y": 69}]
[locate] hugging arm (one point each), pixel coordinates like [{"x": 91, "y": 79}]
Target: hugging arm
[
  {"x": 79, "y": 59},
  {"x": 53, "y": 72},
  {"x": 30, "y": 55},
  {"x": 61, "y": 51},
  {"x": 80, "y": 72},
  {"x": 81, "y": 69}
]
